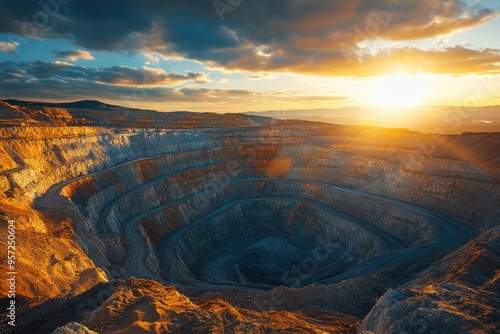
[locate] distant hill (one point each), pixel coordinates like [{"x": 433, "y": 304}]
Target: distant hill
[
  {"x": 428, "y": 119},
  {"x": 97, "y": 113},
  {"x": 84, "y": 104},
  {"x": 435, "y": 119}
]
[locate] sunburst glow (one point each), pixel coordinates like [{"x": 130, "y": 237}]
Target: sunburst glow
[{"x": 397, "y": 90}]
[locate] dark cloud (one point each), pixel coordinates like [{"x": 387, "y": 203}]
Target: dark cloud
[
  {"x": 96, "y": 25},
  {"x": 297, "y": 34},
  {"x": 118, "y": 75},
  {"x": 18, "y": 81},
  {"x": 69, "y": 90}
]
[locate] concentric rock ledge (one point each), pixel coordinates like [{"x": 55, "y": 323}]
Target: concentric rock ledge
[{"x": 248, "y": 211}]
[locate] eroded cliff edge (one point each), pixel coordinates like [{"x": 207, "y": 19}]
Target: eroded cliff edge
[{"x": 222, "y": 207}]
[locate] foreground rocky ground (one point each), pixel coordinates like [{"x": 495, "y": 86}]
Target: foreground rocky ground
[{"x": 134, "y": 221}]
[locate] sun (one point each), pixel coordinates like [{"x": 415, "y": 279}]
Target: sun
[{"x": 397, "y": 90}]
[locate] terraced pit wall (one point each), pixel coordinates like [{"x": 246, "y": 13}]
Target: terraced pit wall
[{"x": 280, "y": 184}]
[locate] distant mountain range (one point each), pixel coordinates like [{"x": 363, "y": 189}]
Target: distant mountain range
[
  {"x": 84, "y": 104},
  {"x": 96, "y": 113},
  {"x": 440, "y": 119},
  {"x": 429, "y": 119}
]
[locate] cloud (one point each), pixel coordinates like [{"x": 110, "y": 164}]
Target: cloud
[
  {"x": 54, "y": 89},
  {"x": 64, "y": 82},
  {"x": 278, "y": 35},
  {"x": 152, "y": 59},
  {"x": 454, "y": 60},
  {"x": 73, "y": 55},
  {"x": 118, "y": 75},
  {"x": 8, "y": 47}
]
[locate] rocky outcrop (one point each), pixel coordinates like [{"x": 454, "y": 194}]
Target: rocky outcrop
[
  {"x": 457, "y": 294},
  {"x": 140, "y": 306},
  {"x": 73, "y": 328}
]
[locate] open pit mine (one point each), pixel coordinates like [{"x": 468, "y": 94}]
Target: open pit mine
[{"x": 136, "y": 221}]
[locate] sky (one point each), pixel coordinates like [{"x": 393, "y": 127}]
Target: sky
[{"x": 242, "y": 55}]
